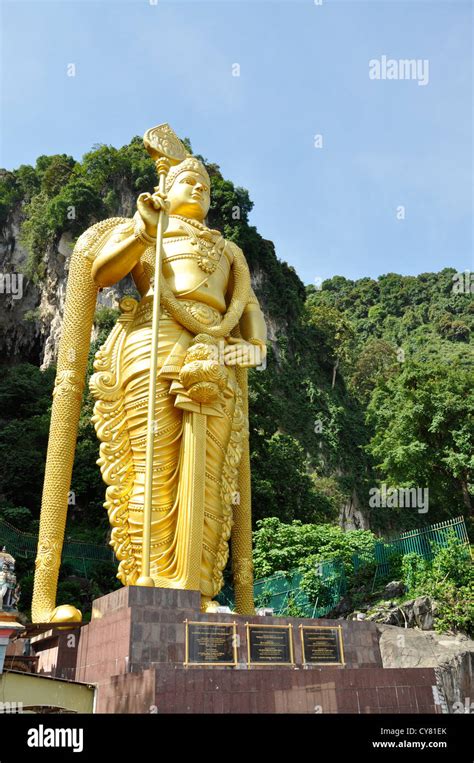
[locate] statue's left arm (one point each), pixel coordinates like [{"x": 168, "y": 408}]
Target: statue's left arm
[
  {"x": 252, "y": 323},
  {"x": 252, "y": 326}
]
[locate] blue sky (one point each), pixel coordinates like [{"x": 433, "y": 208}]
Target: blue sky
[{"x": 304, "y": 71}]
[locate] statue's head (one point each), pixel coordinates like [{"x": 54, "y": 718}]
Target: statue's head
[{"x": 189, "y": 189}]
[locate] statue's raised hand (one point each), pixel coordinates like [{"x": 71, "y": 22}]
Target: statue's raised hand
[{"x": 149, "y": 205}]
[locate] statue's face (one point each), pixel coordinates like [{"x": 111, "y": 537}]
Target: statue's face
[{"x": 189, "y": 196}]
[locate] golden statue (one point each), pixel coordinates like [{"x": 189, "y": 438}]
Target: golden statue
[{"x": 170, "y": 386}]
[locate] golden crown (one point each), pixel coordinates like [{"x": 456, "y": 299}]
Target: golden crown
[{"x": 191, "y": 164}]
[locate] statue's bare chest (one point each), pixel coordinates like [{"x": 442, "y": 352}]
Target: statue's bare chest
[{"x": 195, "y": 265}]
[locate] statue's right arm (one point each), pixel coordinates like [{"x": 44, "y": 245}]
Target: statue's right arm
[
  {"x": 121, "y": 252},
  {"x": 118, "y": 256}
]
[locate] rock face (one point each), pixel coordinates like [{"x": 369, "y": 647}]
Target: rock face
[
  {"x": 455, "y": 677},
  {"x": 394, "y": 588},
  {"x": 20, "y": 333},
  {"x": 419, "y": 613},
  {"x": 452, "y": 657},
  {"x": 423, "y": 612},
  {"x": 351, "y": 516},
  {"x": 30, "y": 324}
]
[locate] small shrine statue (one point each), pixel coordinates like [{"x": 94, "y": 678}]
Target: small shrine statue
[{"x": 9, "y": 589}]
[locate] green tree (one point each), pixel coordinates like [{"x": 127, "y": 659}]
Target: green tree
[
  {"x": 377, "y": 362},
  {"x": 283, "y": 547},
  {"x": 281, "y": 484},
  {"x": 423, "y": 435},
  {"x": 54, "y": 172},
  {"x": 335, "y": 331}
]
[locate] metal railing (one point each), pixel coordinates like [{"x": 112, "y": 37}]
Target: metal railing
[
  {"x": 77, "y": 553},
  {"x": 421, "y": 541}
]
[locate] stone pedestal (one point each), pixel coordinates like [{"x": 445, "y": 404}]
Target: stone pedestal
[{"x": 134, "y": 651}]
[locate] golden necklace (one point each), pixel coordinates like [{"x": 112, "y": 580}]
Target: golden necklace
[{"x": 209, "y": 244}]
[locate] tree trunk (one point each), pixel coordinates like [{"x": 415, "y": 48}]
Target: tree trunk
[{"x": 466, "y": 496}]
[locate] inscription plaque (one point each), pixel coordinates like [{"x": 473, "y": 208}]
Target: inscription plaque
[
  {"x": 210, "y": 643},
  {"x": 322, "y": 645},
  {"x": 270, "y": 644}
]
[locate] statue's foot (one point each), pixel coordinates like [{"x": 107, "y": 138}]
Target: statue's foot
[
  {"x": 65, "y": 613},
  {"x": 207, "y": 605}
]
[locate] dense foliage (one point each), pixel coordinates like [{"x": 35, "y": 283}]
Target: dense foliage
[
  {"x": 449, "y": 579},
  {"x": 281, "y": 547},
  {"x": 409, "y": 362}
]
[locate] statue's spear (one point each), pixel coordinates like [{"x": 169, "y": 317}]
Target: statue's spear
[{"x": 164, "y": 146}]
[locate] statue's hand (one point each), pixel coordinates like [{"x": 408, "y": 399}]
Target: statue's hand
[
  {"x": 148, "y": 205},
  {"x": 243, "y": 354}
]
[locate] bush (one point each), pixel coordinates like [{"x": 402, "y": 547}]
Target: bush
[
  {"x": 283, "y": 547},
  {"x": 18, "y": 516},
  {"x": 448, "y": 579}
]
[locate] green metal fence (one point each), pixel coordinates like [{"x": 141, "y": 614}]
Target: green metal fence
[
  {"x": 283, "y": 593},
  {"x": 419, "y": 541},
  {"x": 78, "y": 554}
]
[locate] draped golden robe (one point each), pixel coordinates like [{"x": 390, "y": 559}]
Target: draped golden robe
[{"x": 123, "y": 409}]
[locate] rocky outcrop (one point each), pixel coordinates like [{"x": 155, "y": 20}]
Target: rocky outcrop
[
  {"x": 31, "y": 317},
  {"x": 452, "y": 657},
  {"x": 351, "y": 516},
  {"x": 415, "y": 613},
  {"x": 394, "y": 588},
  {"x": 20, "y": 332},
  {"x": 455, "y": 680}
]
